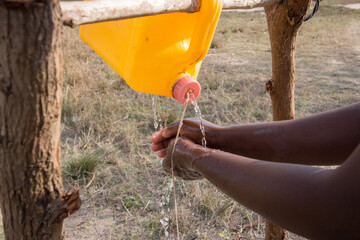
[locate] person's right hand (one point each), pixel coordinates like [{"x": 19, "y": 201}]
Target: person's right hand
[{"x": 190, "y": 130}]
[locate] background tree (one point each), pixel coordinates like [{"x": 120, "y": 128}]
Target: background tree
[{"x": 284, "y": 20}]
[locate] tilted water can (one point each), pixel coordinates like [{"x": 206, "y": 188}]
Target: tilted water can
[{"x": 158, "y": 54}]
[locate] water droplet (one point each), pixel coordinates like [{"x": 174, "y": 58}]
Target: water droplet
[{"x": 157, "y": 119}]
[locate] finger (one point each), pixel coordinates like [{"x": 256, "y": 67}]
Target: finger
[
  {"x": 173, "y": 124},
  {"x": 157, "y": 137},
  {"x": 170, "y": 131},
  {"x": 190, "y": 129},
  {"x": 161, "y": 153},
  {"x": 192, "y": 122},
  {"x": 157, "y": 146}
]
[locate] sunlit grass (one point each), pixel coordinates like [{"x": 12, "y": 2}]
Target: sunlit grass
[{"x": 82, "y": 166}]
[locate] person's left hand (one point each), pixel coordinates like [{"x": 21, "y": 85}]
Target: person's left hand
[{"x": 185, "y": 155}]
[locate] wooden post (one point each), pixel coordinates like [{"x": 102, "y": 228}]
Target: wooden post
[
  {"x": 32, "y": 199},
  {"x": 284, "y": 20}
]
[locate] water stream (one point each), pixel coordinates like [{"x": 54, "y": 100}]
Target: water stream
[
  {"x": 172, "y": 164},
  {"x": 158, "y": 123},
  {"x": 202, "y": 128},
  {"x": 157, "y": 119}
]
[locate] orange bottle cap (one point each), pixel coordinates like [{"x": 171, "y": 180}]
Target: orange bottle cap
[{"x": 184, "y": 85}]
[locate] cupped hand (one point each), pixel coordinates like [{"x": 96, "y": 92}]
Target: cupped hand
[
  {"x": 185, "y": 155},
  {"x": 190, "y": 130}
]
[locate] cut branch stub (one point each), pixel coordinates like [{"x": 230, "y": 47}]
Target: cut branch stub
[
  {"x": 59, "y": 209},
  {"x": 269, "y": 85},
  {"x": 67, "y": 204}
]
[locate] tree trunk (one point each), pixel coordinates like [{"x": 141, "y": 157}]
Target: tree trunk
[
  {"x": 32, "y": 203},
  {"x": 284, "y": 20}
]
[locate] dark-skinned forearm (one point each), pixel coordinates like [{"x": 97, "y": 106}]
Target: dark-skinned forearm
[
  {"x": 314, "y": 202},
  {"x": 322, "y": 139}
]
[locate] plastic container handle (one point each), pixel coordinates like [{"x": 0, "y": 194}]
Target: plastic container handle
[{"x": 203, "y": 31}]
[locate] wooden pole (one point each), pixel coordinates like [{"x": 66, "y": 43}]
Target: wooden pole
[
  {"x": 284, "y": 20},
  {"x": 78, "y": 12},
  {"x": 32, "y": 199}
]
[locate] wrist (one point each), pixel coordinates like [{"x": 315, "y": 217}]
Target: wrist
[
  {"x": 199, "y": 152},
  {"x": 233, "y": 139},
  {"x": 214, "y": 136}
]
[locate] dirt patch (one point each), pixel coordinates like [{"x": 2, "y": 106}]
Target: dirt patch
[{"x": 352, "y": 6}]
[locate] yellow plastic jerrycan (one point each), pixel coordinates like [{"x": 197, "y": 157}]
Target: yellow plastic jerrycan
[{"x": 158, "y": 54}]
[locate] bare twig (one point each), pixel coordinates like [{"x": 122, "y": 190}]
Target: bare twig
[
  {"x": 127, "y": 210},
  {"x": 251, "y": 225},
  {"x": 91, "y": 180}
]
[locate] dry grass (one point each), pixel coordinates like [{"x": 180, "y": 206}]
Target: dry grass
[
  {"x": 131, "y": 195},
  {"x": 126, "y": 195}
]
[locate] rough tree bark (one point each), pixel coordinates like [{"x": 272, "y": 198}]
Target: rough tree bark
[
  {"x": 32, "y": 200},
  {"x": 284, "y": 20}
]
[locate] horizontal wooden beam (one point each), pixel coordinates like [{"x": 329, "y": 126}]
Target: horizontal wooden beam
[
  {"x": 83, "y": 12},
  {"x": 246, "y": 4}
]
